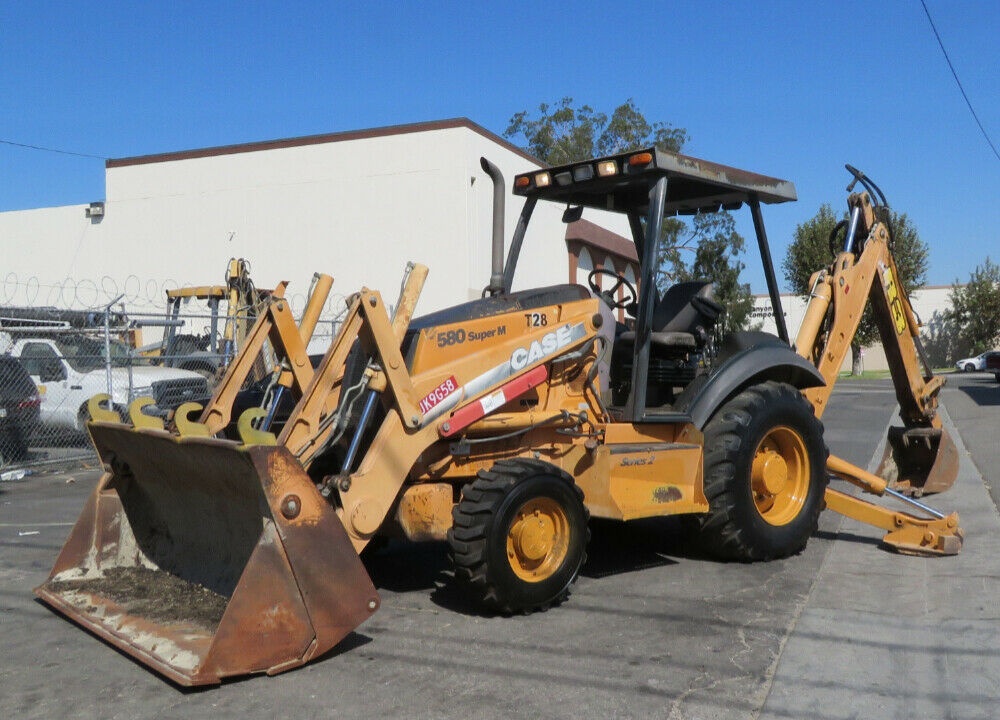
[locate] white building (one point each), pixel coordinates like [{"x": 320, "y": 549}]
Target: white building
[
  {"x": 929, "y": 303},
  {"x": 355, "y": 205}
]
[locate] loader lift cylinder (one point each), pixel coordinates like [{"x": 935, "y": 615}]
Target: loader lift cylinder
[
  {"x": 366, "y": 415},
  {"x": 279, "y": 391}
]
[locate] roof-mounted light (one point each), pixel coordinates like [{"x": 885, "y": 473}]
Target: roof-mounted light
[
  {"x": 563, "y": 179},
  {"x": 606, "y": 168},
  {"x": 640, "y": 159},
  {"x": 543, "y": 179},
  {"x": 522, "y": 182},
  {"x": 582, "y": 173}
]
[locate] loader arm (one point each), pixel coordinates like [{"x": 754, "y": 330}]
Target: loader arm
[
  {"x": 307, "y": 430},
  {"x": 277, "y": 325}
]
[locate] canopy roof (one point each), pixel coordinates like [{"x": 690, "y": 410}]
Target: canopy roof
[{"x": 621, "y": 183}]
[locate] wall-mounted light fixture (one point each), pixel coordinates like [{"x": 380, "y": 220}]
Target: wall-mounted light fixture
[{"x": 95, "y": 210}]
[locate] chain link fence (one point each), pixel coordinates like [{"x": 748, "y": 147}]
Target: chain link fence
[{"x": 53, "y": 359}]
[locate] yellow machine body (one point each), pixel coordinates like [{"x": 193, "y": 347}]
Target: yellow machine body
[{"x": 491, "y": 425}]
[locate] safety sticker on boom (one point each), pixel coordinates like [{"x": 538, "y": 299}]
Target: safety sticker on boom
[{"x": 895, "y": 304}]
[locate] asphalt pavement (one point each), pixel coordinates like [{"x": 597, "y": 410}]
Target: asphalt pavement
[{"x": 654, "y": 630}]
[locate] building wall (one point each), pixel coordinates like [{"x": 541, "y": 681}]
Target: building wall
[
  {"x": 356, "y": 208},
  {"x": 929, "y": 303}
]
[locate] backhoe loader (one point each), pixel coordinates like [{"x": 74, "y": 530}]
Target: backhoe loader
[
  {"x": 209, "y": 353},
  {"x": 499, "y": 426}
]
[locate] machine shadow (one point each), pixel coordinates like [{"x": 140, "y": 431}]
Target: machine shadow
[
  {"x": 615, "y": 548},
  {"x": 985, "y": 393},
  {"x": 621, "y": 547},
  {"x": 841, "y": 536}
]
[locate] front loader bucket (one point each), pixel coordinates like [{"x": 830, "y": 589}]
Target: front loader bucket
[
  {"x": 919, "y": 461},
  {"x": 203, "y": 558}
]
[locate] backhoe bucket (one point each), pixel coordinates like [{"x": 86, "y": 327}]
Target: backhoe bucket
[
  {"x": 204, "y": 558},
  {"x": 919, "y": 461}
]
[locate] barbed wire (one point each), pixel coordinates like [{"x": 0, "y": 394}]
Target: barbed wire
[{"x": 138, "y": 297}]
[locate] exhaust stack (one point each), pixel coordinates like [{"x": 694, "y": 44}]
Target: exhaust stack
[{"x": 499, "y": 190}]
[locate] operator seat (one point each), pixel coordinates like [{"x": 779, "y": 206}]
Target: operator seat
[
  {"x": 681, "y": 328},
  {"x": 682, "y": 319}
]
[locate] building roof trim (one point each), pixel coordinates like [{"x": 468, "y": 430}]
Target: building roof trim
[
  {"x": 596, "y": 237},
  {"x": 321, "y": 140}
]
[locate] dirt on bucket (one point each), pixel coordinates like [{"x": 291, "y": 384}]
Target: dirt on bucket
[{"x": 153, "y": 594}]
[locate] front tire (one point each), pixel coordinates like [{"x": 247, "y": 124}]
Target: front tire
[
  {"x": 765, "y": 474},
  {"x": 519, "y": 536},
  {"x": 968, "y": 367},
  {"x": 13, "y": 446}
]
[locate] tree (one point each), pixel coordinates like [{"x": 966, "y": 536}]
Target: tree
[
  {"x": 975, "y": 310},
  {"x": 811, "y": 250},
  {"x": 563, "y": 134},
  {"x": 717, "y": 248}
]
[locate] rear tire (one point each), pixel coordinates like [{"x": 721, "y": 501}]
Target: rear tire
[
  {"x": 13, "y": 447},
  {"x": 765, "y": 474},
  {"x": 519, "y": 536}
]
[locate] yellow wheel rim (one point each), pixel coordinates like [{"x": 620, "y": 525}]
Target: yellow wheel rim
[
  {"x": 538, "y": 539},
  {"x": 779, "y": 478}
]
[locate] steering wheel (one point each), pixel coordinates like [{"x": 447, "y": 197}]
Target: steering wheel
[{"x": 608, "y": 296}]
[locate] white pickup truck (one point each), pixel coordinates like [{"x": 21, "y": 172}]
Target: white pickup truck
[{"x": 70, "y": 369}]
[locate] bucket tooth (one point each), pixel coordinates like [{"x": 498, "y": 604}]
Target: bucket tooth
[
  {"x": 251, "y": 435},
  {"x": 919, "y": 461},
  {"x": 185, "y": 425},
  {"x": 100, "y": 409},
  {"x": 141, "y": 419}
]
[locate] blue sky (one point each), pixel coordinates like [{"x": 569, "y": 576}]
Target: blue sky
[{"x": 791, "y": 89}]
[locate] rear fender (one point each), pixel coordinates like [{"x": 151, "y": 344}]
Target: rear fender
[{"x": 750, "y": 358}]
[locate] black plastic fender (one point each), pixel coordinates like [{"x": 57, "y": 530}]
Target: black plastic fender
[{"x": 746, "y": 359}]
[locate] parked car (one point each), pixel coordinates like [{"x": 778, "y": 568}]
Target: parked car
[
  {"x": 974, "y": 364},
  {"x": 19, "y": 409},
  {"x": 993, "y": 364},
  {"x": 70, "y": 369}
]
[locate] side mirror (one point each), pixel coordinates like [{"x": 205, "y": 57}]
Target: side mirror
[{"x": 572, "y": 214}]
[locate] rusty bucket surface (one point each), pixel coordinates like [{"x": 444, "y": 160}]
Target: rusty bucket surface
[
  {"x": 919, "y": 461},
  {"x": 204, "y": 559}
]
